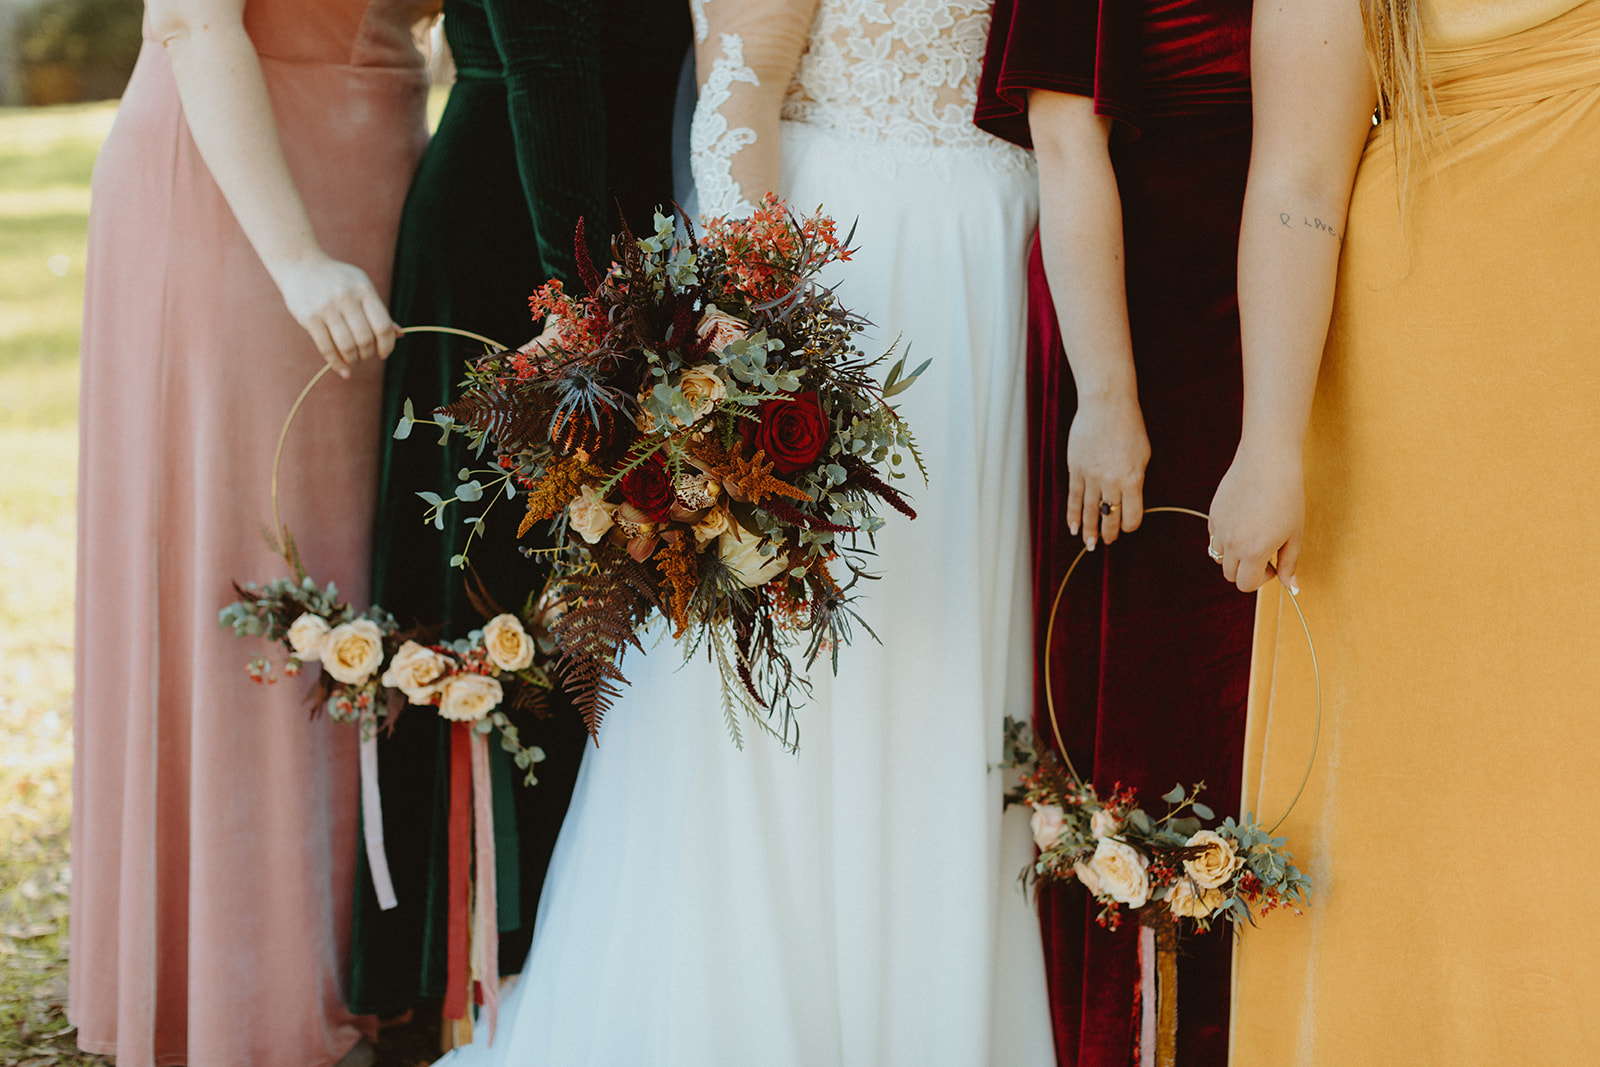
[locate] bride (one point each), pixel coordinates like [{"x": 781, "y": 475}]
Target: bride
[{"x": 857, "y": 903}]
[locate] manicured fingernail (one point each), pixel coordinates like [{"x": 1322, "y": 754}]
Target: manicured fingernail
[
  {"x": 1091, "y": 544},
  {"x": 1294, "y": 587}
]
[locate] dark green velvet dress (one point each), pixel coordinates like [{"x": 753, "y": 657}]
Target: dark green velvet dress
[{"x": 520, "y": 154}]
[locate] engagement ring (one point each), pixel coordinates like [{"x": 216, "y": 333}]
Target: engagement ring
[{"x": 1214, "y": 552}]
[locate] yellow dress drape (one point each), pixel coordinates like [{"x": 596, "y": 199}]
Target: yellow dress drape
[{"x": 1451, "y": 575}]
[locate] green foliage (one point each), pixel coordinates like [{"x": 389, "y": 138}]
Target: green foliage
[{"x": 82, "y": 32}]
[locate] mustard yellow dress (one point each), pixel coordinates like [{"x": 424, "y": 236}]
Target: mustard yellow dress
[{"x": 1451, "y": 575}]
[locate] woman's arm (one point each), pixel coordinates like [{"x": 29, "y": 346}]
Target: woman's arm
[
  {"x": 1313, "y": 100},
  {"x": 746, "y": 52},
  {"x": 1080, "y": 236},
  {"x": 225, "y": 102}
]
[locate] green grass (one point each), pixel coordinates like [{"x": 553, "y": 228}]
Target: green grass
[{"x": 46, "y": 157}]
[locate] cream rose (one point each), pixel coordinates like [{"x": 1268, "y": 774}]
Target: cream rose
[
  {"x": 306, "y": 634},
  {"x": 589, "y": 515},
  {"x": 413, "y": 670},
  {"x": 1104, "y": 824},
  {"x": 1090, "y": 880},
  {"x": 702, "y": 387},
  {"x": 1048, "y": 822},
  {"x": 352, "y": 651},
  {"x": 741, "y": 551},
  {"x": 507, "y": 643},
  {"x": 713, "y": 526},
  {"x": 469, "y": 697},
  {"x": 721, "y": 327},
  {"x": 1122, "y": 872},
  {"x": 1216, "y": 865},
  {"x": 1186, "y": 902}
]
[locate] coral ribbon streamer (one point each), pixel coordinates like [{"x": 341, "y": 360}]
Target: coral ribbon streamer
[
  {"x": 486, "y": 942},
  {"x": 372, "y": 825},
  {"x": 460, "y": 871}
]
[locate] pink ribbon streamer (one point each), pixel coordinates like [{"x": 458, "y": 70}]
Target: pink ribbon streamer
[
  {"x": 372, "y": 825},
  {"x": 485, "y": 917},
  {"x": 1147, "y": 996}
]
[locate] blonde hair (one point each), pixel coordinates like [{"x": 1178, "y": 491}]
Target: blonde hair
[{"x": 1393, "y": 31}]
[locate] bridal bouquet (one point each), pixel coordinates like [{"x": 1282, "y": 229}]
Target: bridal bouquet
[
  {"x": 1169, "y": 868},
  {"x": 708, "y": 443},
  {"x": 363, "y": 658}
]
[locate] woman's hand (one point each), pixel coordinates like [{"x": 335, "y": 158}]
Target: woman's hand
[
  {"x": 1258, "y": 517},
  {"x": 1107, "y": 451},
  {"x": 340, "y": 309}
]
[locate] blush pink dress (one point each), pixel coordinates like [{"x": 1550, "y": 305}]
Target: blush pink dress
[{"x": 214, "y": 831}]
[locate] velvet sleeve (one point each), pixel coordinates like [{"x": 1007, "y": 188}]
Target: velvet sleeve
[
  {"x": 551, "y": 52},
  {"x": 1084, "y": 47}
]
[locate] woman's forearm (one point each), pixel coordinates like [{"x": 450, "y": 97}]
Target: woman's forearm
[
  {"x": 1289, "y": 244},
  {"x": 1080, "y": 237},
  {"x": 229, "y": 114}
]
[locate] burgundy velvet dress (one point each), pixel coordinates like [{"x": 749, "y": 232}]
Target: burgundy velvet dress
[{"x": 1151, "y": 651}]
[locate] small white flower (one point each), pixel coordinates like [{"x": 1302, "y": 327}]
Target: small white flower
[
  {"x": 589, "y": 515},
  {"x": 306, "y": 634}
]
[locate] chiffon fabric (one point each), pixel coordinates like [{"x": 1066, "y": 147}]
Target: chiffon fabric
[
  {"x": 1460, "y": 658},
  {"x": 1150, "y": 658},
  {"x": 851, "y": 904},
  {"x": 214, "y": 832}
]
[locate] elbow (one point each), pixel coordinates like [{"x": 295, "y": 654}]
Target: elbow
[
  {"x": 175, "y": 21},
  {"x": 1066, "y": 131}
]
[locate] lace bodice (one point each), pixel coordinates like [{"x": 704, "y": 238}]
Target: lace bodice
[{"x": 902, "y": 73}]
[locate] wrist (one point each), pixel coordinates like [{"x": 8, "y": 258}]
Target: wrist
[{"x": 1107, "y": 390}]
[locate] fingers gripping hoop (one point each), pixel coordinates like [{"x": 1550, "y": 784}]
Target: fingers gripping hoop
[{"x": 1049, "y": 694}]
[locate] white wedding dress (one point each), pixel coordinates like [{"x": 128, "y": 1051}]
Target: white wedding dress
[{"x": 856, "y": 904}]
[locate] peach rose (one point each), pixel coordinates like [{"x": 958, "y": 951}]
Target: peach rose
[
  {"x": 469, "y": 697},
  {"x": 1216, "y": 865},
  {"x": 713, "y": 526},
  {"x": 413, "y": 670},
  {"x": 741, "y": 552},
  {"x": 589, "y": 515},
  {"x": 721, "y": 327},
  {"x": 507, "y": 643},
  {"x": 1104, "y": 824},
  {"x": 1122, "y": 872},
  {"x": 1090, "y": 880},
  {"x": 1048, "y": 823},
  {"x": 1185, "y": 901},
  {"x": 306, "y": 634},
  {"x": 702, "y": 387},
  {"x": 351, "y": 651}
]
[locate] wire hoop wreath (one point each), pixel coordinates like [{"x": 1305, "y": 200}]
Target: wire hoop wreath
[{"x": 1049, "y": 694}]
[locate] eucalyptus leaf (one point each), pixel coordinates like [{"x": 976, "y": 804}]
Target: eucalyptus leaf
[
  {"x": 1175, "y": 795},
  {"x": 1203, "y": 811}
]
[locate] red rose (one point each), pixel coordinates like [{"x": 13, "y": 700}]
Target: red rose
[
  {"x": 793, "y": 433},
  {"x": 648, "y": 488}
]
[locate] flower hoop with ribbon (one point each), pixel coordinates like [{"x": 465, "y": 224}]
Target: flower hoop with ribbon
[{"x": 462, "y": 677}]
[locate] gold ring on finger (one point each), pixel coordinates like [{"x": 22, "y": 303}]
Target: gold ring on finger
[{"x": 1107, "y": 509}]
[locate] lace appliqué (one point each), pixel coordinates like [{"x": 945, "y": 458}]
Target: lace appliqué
[
  {"x": 697, "y": 12},
  {"x": 712, "y": 142},
  {"x": 905, "y": 73}
]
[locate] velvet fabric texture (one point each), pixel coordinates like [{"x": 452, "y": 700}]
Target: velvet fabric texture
[
  {"x": 214, "y": 826},
  {"x": 519, "y": 156},
  {"x": 1151, "y": 652}
]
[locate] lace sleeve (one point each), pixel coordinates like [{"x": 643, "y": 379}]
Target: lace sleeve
[{"x": 746, "y": 52}]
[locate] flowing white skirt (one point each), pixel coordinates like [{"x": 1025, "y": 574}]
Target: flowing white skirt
[{"x": 856, "y": 904}]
